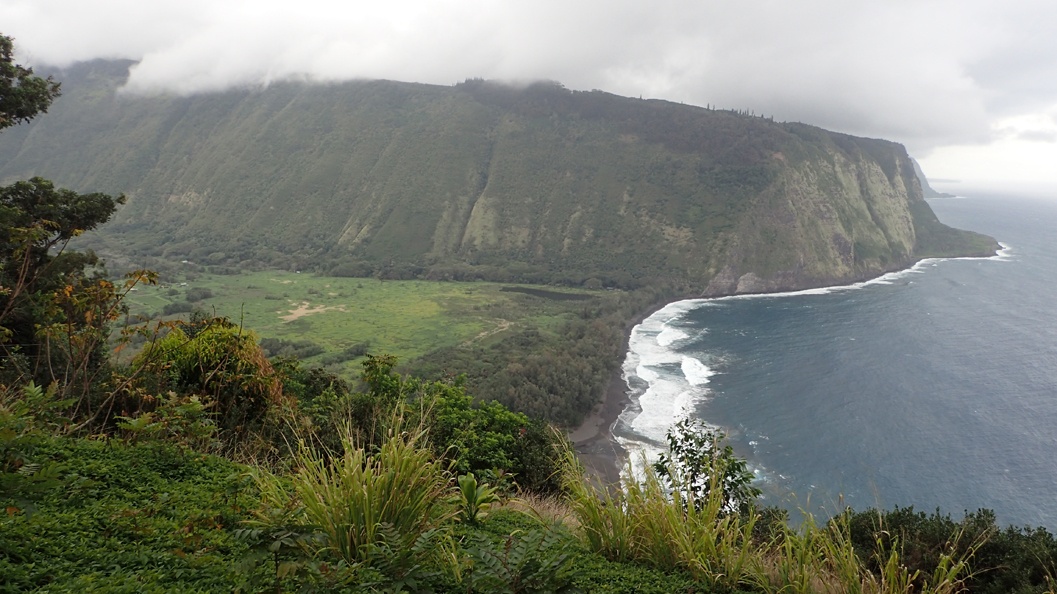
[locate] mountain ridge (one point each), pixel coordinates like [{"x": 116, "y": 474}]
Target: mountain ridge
[{"x": 483, "y": 180}]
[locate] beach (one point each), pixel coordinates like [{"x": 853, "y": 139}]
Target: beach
[{"x": 600, "y": 453}]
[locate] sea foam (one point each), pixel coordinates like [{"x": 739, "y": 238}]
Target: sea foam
[
  {"x": 696, "y": 372},
  {"x": 665, "y": 386}
]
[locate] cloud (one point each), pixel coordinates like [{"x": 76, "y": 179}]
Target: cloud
[
  {"x": 927, "y": 73},
  {"x": 1038, "y": 135}
]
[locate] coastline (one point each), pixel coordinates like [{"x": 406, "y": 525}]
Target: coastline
[{"x": 602, "y": 456}]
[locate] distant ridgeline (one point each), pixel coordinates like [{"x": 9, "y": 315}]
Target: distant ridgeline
[
  {"x": 926, "y": 189},
  {"x": 481, "y": 180}
]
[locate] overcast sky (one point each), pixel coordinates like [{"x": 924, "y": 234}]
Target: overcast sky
[{"x": 969, "y": 86}]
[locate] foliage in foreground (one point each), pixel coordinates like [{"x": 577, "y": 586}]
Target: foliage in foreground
[
  {"x": 123, "y": 518},
  {"x": 155, "y": 516},
  {"x": 675, "y": 524},
  {"x": 384, "y": 510}
]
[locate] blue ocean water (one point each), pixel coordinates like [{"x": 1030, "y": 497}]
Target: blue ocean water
[{"x": 932, "y": 387}]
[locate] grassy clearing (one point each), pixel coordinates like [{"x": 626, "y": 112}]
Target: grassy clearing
[{"x": 404, "y": 318}]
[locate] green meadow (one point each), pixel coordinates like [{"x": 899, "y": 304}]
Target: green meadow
[{"x": 408, "y": 319}]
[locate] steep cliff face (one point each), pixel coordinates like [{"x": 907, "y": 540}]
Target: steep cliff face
[
  {"x": 826, "y": 220},
  {"x": 482, "y": 180}
]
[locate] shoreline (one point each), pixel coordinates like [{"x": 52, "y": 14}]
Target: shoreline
[{"x": 593, "y": 441}]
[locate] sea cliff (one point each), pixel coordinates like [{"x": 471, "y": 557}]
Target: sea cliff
[{"x": 483, "y": 180}]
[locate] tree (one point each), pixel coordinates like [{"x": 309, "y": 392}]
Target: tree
[
  {"x": 699, "y": 461},
  {"x": 22, "y": 95},
  {"x": 42, "y": 283},
  {"x": 37, "y": 222}
]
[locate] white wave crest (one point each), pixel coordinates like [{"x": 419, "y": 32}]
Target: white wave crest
[
  {"x": 666, "y": 384},
  {"x": 696, "y": 372},
  {"x": 1006, "y": 253},
  {"x": 670, "y": 335}
]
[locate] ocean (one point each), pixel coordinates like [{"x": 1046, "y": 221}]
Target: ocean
[{"x": 934, "y": 387}]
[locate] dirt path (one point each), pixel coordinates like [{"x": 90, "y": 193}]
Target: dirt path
[
  {"x": 306, "y": 309},
  {"x": 501, "y": 325}
]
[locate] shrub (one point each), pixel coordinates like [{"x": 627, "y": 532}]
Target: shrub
[
  {"x": 382, "y": 510},
  {"x": 177, "y": 307},
  {"x": 198, "y": 293},
  {"x": 215, "y": 359},
  {"x": 704, "y": 461},
  {"x": 1010, "y": 560},
  {"x": 300, "y": 349},
  {"x": 486, "y": 437}
]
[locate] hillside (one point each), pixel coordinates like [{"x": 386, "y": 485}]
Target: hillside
[
  {"x": 926, "y": 189},
  {"x": 481, "y": 180}
]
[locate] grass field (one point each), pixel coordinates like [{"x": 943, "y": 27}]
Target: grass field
[{"x": 404, "y": 318}]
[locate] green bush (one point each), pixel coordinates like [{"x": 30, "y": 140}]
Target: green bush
[
  {"x": 197, "y": 294},
  {"x": 300, "y": 349},
  {"x": 383, "y": 510},
  {"x": 1010, "y": 560},
  {"x": 177, "y": 307},
  {"x": 485, "y": 437},
  {"x": 702, "y": 460},
  {"x": 218, "y": 361}
]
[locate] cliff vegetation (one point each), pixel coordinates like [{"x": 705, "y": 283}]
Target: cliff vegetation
[{"x": 480, "y": 180}]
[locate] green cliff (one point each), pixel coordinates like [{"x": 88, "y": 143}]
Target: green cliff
[{"x": 481, "y": 180}]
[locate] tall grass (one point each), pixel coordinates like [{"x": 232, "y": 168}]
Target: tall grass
[
  {"x": 644, "y": 522},
  {"x": 810, "y": 559},
  {"x": 822, "y": 559},
  {"x": 606, "y": 524},
  {"x": 383, "y": 509},
  {"x": 362, "y": 501}
]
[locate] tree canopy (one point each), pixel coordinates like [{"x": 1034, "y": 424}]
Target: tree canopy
[
  {"x": 39, "y": 278},
  {"x": 22, "y": 95}
]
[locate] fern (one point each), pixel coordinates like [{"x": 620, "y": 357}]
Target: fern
[{"x": 535, "y": 561}]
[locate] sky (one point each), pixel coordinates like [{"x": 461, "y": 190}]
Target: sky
[{"x": 969, "y": 86}]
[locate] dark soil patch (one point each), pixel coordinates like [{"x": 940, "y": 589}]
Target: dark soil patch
[{"x": 555, "y": 295}]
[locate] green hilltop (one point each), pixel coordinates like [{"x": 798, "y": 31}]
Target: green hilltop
[{"x": 483, "y": 180}]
